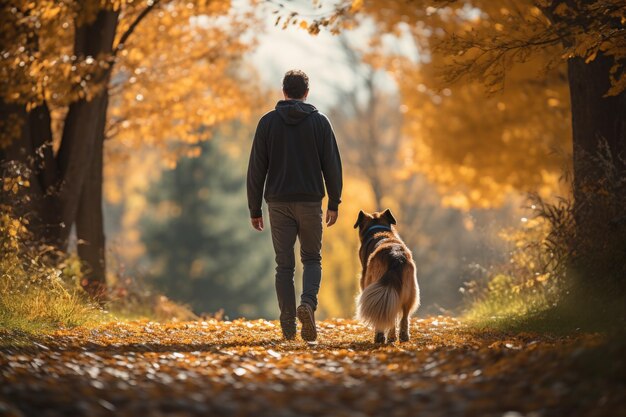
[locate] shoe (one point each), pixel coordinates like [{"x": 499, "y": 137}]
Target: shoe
[
  {"x": 307, "y": 318},
  {"x": 289, "y": 334},
  {"x": 289, "y": 330}
]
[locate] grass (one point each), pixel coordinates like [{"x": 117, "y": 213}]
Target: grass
[
  {"x": 504, "y": 304},
  {"x": 559, "y": 278},
  {"x": 42, "y": 309},
  {"x": 519, "y": 312},
  {"x": 35, "y": 295},
  {"x": 39, "y": 290},
  {"x": 37, "y": 309},
  {"x": 151, "y": 306},
  {"x": 539, "y": 312},
  {"x": 541, "y": 321}
]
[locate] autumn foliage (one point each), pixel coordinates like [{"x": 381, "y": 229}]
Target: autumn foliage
[
  {"x": 243, "y": 368},
  {"x": 489, "y": 100},
  {"x": 141, "y": 113},
  {"x": 66, "y": 64}
]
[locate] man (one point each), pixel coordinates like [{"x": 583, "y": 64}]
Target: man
[{"x": 293, "y": 155}]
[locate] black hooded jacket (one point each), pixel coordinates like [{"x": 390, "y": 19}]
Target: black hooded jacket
[{"x": 295, "y": 149}]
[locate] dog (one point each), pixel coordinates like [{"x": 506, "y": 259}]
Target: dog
[{"x": 389, "y": 277}]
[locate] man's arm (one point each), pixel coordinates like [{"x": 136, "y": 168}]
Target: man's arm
[
  {"x": 257, "y": 172},
  {"x": 331, "y": 168}
]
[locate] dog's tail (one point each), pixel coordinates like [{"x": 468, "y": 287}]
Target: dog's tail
[{"x": 379, "y": 304}]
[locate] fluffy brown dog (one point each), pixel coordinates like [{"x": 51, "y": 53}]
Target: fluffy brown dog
[{"x": 389, "y": 277}]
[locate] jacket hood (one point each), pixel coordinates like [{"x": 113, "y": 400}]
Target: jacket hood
[{"x": 294, "y": 111}]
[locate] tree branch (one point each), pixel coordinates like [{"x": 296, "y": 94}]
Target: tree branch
[{"x": 120, "y": 45}]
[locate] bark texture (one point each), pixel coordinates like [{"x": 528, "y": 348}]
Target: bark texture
[
  {"x": 599, "y": 148},
  {"x": 66, "y": 188}
]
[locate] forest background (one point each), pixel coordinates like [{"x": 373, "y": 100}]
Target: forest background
[{"x": 455, "y": 115}]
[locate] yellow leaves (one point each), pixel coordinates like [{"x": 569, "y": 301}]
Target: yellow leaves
[
  {"x": 618, "y": 85},
  {"x": 50, "y": 12},
  {"x": 554, "y": 102},
  {"x": 562, "y": 10},
  {"x": 180, "y": 76},
  {"x": 201, "y": 366},
  {"x": 457, "y": 200},
  {"x": 14, "y": 184},
  {"x": 498, "y": 132},
  {"x": 591, "y": 56},
  {"x": 356, "y": 5},
  {"x": 134, "y": 54},
  {"x": 15, "y": 227},
  {"x": 193, "y": 152}
]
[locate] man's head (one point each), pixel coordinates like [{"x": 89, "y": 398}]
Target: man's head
[{"x": 295, "y": 85}]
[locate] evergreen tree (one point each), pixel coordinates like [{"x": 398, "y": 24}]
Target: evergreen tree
[{"x": 199, "y": 240}]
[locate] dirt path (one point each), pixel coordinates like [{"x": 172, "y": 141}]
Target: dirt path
[{"x": 242, "y": 368}]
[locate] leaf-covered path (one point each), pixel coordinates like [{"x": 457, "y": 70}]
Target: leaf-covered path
[{"x": 242, "y": 368}]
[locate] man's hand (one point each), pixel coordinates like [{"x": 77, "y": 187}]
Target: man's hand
[
  {"x": 331, "y": 217},
  {"x": 257, "y": 223}
]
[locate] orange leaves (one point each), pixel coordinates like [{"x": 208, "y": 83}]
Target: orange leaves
[
  {"x": 243, "y": 368},
  {"x": 48, "y": 72},
  {"x": 563, "y": 10},
  {"x": 356, "y": 5},
  {"x": 476, "y": 147},
  {"x": 479, "y": 148},
  {"x": 179, "y": 77},
  {"x": 14, "y": 184},
  {"x": 184, "y": 74}
]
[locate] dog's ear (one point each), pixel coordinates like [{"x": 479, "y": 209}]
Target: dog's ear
[
  {"x": 359, "y": 219},
  {"x": 387, "y": 215}
]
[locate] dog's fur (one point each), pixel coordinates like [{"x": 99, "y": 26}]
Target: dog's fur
[{"x": 389, "y": 278}]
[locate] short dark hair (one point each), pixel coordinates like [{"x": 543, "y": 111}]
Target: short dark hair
[{"x": 295, "y": 84}]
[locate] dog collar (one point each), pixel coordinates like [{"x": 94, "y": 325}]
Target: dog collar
[{"x": 377, "y": 226}]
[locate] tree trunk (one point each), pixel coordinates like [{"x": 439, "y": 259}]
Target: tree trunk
[
  {"x": 46, "y": 170},
  {"x": 599, "y": 140},
  {"x": 81, "y": 128},
  {"x": 597, "y": 121},
  {"x": 90, "y": 220},
  {"x": 66, "y": 189},
  {"x": 81, "y": 159}
]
